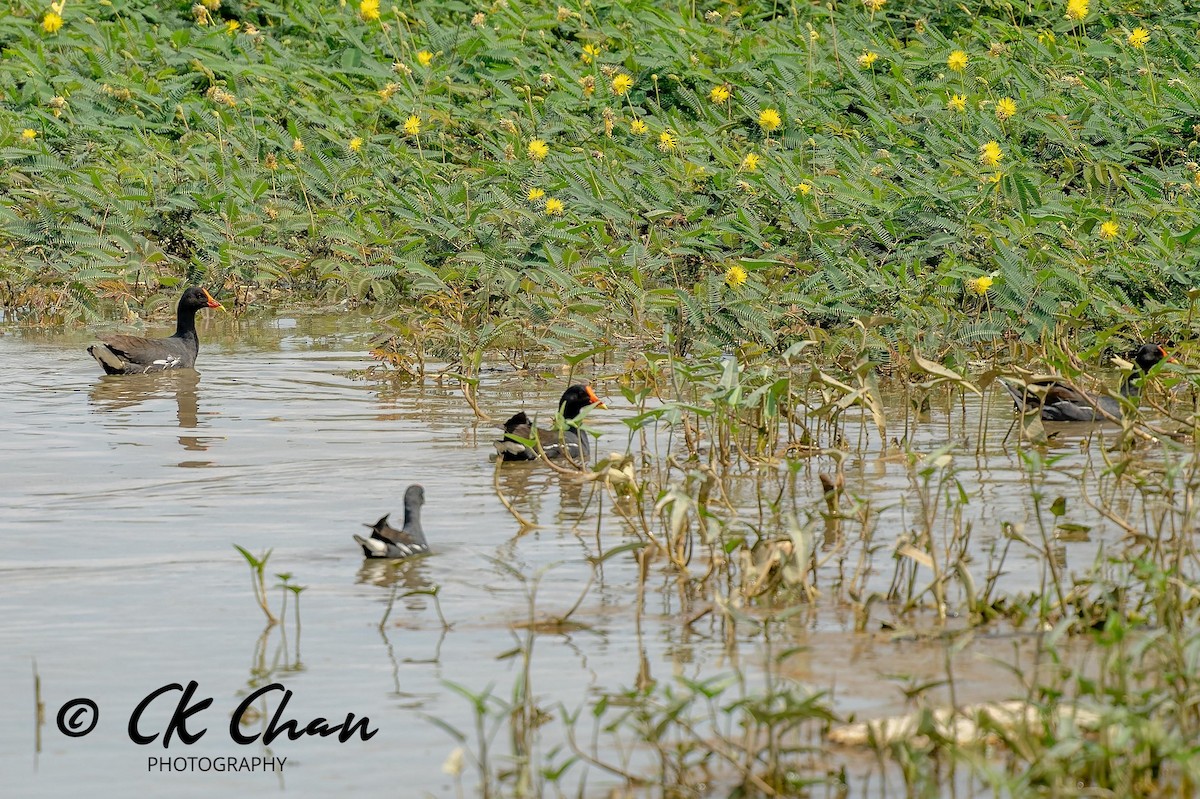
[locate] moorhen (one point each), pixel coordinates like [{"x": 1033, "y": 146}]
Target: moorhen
[
  {"x": 388, "y": 542},
  {"x": 573, "y": 440},
  {"x": 1062, "y": 403},
  {"x": 135, "y": 355}
]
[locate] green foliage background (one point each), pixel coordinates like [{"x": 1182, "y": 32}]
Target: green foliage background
[{"x": 172, "y": 144}]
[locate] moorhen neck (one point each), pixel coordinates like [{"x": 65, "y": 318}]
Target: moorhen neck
[
  {"x": 572, "y": 442},
  {"x": 388, "y": 542},
  {"x": 135, "y": 355},
  {"x": 1062, "y": 403}
]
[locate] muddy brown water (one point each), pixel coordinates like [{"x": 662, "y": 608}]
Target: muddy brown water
[{"x": 121, "y": 499}]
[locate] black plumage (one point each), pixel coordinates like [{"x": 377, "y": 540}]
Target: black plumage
[
  {"x": 131, "y": 355},
  {"x": 572, "y": 442},
  {"x": 1058, "y": 402}
]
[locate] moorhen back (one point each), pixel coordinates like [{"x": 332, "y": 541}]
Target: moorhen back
[{"x": 1063, "y": 403}]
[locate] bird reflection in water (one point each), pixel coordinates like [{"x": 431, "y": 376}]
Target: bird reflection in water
[
  {"x": 528, "y": 487},
  {"x": 123, "y": 392},
  {"x": 408, "y": 575}
]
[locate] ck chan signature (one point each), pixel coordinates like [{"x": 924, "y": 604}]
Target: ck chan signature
[{"x": 78, "y": 717}]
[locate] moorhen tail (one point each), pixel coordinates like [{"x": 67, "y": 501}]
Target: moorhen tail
[
  {"x": 388, "y": 542},
  {"x": 572, "y": 442},
  {"x": 1062, "y": 403},
  {"x": 135, "y": 355}
]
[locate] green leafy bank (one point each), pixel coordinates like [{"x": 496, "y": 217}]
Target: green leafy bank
[{"x": 537, "y": 171}]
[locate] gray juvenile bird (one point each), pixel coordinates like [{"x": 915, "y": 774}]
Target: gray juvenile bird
[{"x": 388, "y": 542}]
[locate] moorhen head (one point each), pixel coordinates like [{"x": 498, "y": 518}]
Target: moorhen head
[
  {"x": 127, "y": 355},
  {"x": 575, "y": 399},
  {"x": 1148, "y": 356}
]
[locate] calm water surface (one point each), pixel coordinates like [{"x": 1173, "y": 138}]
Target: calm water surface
[{"x": 121, "y": 498}]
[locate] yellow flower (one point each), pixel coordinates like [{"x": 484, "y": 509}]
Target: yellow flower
[
  {"x": 590, "y": 51},
  {"x": 554, "y": 207},
  {"x": 990, "y": 154},
  {"x": 1109, "y": 230},
  {"x": 369, "y": 10},
  {"x": 735, "y": 276},
  {"x": 666, "y": 141},
  {"x": 29, "y": 133},
  {"x": 1046, "y": 36},
  {"x": 424, "y": 58},
  {"x": 750, "y": 162},
  {"x": 231, "y": 26},
  {"x": 1006, "y": 108},
  {"x": 957, "y": 61},
  {"x": 637, "y": 126},
  {"x": 412, "y": 125},
  {"x": 1138, "y": 38},
  {"x": 52, "y": 22},
  {"x": 980, "y": 285},
  {"x": 621, "y": 83},
  {"x": 219, "y": 95},
  {"x": 535, "y": 195},
  {"x": 867, "y": 59},
  {"x": 356, "y": 144},
  {"x": 957, "y": 102},
  {"x": 538, "y": 149},
  {"x": 769, "y": 119},
  {"x": 1077, "y": 9},
  {"x": 874, "y": 5},
  {"x": 803, "y": 187},
  {"x": 719, "y": 94},
  {"x": 297, "y": 146}
]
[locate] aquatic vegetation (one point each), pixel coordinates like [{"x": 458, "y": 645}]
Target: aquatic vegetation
[
  {"x": 262, "y": 670},
  {"x": 707, "y": 492},
  {"x": 258, "y": 567},
  {"x": 286, "y": 586}
]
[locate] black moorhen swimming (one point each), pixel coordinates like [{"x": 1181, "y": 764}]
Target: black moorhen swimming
[
  {"x": 574, "y": 441},
  {"x": 1061, "y": 403},
  {"x": 135, "y": 355},
  {"x": 388, "y": 542}
]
